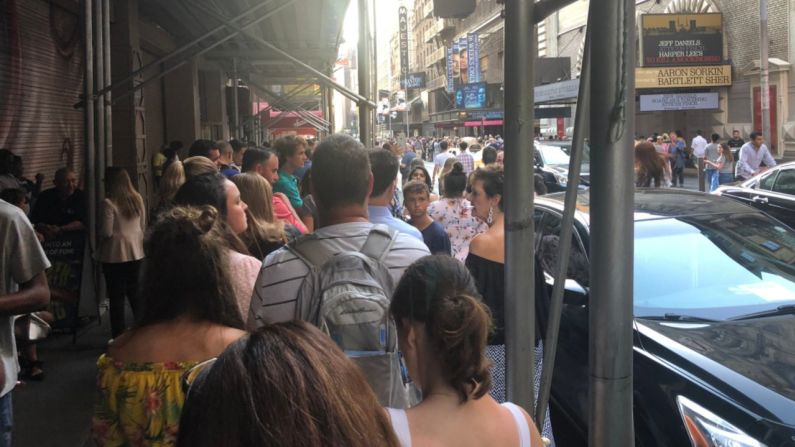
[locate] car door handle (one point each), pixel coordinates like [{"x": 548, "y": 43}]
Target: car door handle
[{"x": 759, "y": 199}]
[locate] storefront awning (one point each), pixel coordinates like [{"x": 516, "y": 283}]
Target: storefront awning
[{"x": 483, "y": 123}]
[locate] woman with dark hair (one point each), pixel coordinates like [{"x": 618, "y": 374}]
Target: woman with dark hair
[
  {"x": 188, "y": 315},
  {"x": 486, "y": 262},
  {"x": 421, "y": 174},
  {"x": 443, "y": 327},
  {"x": 454, "y": 213},
  {"x": 286, "y": 385},
  {"x": 724, "y": 164},
  {"x": 649, "y": 166},
  {"x": 217, "y": 191}
]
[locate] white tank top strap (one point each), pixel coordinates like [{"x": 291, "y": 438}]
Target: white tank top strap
[
  {"x": 521, "y": 424},
  {"x": 400, "y": 424}
]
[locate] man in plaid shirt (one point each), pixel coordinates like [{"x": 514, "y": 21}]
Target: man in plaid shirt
[{"x": 465, "y": 158}]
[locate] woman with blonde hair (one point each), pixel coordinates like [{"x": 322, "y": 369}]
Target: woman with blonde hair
[
  {"x": 446, "y": 169},
  {"x": 121, "y": 232},
  {"x": 173, "y": 177},
  {"x": 265, "y": 233}
]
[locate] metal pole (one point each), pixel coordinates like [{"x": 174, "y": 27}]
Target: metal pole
[
  {"x": 375, "y": 63},
  {"x": 99, "y": 84},
  {"x": 321, "y": 77},
  {"x": 566, "y": 228},
  {"x": 520, "y": 51},
  {"x": 193, "y": 42},
  {"x": 764, "y": 74},
  {"x": 363, "y": 59},
  {"x": 239, "y": 30},
  {"x": 235, "y": 111},
  {"x": 106, "y": 97},
  {"x": 88, "y": 24},
  {"x": 612, "y": 129}
]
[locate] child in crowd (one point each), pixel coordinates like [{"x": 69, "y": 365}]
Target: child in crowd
[{"x": 416, "y": 197}]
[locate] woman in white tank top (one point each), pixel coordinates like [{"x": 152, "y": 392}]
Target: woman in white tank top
[{"x": 443, "y": 327}]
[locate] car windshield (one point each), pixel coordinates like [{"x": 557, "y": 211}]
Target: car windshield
[
  {"x": 715, "y": 267},
  {"x": 553, "y": 155}
]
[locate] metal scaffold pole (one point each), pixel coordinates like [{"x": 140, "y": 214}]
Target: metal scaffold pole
[
  {"x": 764, "y": 75},
  {"x": 612, "y": 118},
  {"x": 520, "y": 52},
  {"x": 363, "y": 61},
  {"x": 90, "y": 161}
]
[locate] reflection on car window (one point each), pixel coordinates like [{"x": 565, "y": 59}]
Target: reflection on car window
[
  {"x": 768, "y": 181},
  {"x": 549, "y": 250},
  {"x": 785, "y": 182},
  {"x": 713, "y": 266},
  {"x": 553, "y": 155}
]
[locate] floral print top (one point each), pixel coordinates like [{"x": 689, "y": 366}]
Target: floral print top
[
  {"x": 138, "y": 404},
  {"x": 455, "y": 215}
]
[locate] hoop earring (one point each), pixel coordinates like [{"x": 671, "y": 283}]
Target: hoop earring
[{"x": 490, "y": 218}]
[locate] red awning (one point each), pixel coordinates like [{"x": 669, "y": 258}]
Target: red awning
[{"x": 483, "y": 123}]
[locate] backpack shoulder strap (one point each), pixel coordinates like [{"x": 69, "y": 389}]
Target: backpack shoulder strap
[
  {"x": 379, "y": 242},
  {"x": 310, "y": 250}
]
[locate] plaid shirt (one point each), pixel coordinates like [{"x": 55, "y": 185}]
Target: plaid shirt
[{"x": 467, "y": 162}]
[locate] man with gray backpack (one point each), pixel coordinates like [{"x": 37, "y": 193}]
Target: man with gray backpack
[{"x": 341, "y": 278}]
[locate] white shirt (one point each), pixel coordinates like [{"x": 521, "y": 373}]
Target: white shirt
[
  {"x": 699, "y": 144},
  {"x": 21, "y": 259},
  {"x": 750, "y": 159}
]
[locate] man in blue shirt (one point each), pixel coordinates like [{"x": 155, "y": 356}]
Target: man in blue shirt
[
  {"x": 677, "y": 156},
  {"x": 384, "y": 166}
]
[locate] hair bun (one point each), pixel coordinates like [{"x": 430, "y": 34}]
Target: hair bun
[
  {"x": 191, "y": 220},
  {"x": 458, "y": 168}
]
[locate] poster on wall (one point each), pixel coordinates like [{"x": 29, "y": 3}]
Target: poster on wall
[
  {"x": 682, "y": 39},
  {"x": 679, "y": 101},
  {"x": 471, "y": 96},
  {"x": 450, "y": 79},
  {"x": 473, "y": 56}
]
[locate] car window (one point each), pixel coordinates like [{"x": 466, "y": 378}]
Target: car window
[
  {"x": 785, "y": 182},
  {"x": 713, "y": 267},
  {"x": 548, "y": 243},
  {"x": 768, "y": 181}
]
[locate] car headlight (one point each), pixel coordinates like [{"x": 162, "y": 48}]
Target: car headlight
[
  {"x": 706, "y": 429},
  {"x": 562, "y": 179}
]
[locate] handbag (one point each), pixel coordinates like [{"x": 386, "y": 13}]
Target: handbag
[{"x": 31, "y": 327}]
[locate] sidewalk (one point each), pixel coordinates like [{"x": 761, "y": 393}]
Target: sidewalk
[{"x": 57, "y": 412}]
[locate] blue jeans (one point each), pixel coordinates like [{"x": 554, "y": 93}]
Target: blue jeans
[
  {"x": 6, "y": 420},
  {"x": 711, "y": 177},
  {"x": 725, "y": 177}
]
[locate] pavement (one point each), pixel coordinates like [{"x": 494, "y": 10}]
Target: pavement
[{"x": 57, "y": 411}]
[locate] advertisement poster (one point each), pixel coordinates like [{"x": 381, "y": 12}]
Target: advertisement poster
[
  {"x": 677, "y": 77},
  {"x": 473, "y": 57},
  {"x": 679, "y": 101},
  {"x": 450, "y": 79},
  {"x": 682, "y": 39},
  {"x": 64, "y": 277},
  {"x": 471, "y": 96}
]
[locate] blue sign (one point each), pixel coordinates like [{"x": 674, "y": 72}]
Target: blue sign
[
  {"x": 450, "y": 79},
  {"x": 471, "y": 96},
  {"x": 473, "y": 64},
  {"x": 413, "y": 80}
]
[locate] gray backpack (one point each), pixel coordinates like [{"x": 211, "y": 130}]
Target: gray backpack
[{"x": 347, "y": 296}]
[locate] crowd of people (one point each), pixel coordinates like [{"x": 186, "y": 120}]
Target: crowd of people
[
  {"x": 301, "y": 293},
  {"x": 292, "y": 294},
  {"x": 660, "y": 160}
]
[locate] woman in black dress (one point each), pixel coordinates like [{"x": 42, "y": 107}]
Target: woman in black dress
[{"x": 486, "y": 262}]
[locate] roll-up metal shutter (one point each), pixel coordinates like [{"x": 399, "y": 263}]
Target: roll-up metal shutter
[{"x": 41, "y": 78}]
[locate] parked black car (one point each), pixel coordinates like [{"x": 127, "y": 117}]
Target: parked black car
[
  {"x": 772, "y": 191},
  {"x": 714, "y": 330},
  {"x": 552, "y": 163}
]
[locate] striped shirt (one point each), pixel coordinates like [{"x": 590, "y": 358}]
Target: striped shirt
[{"x": 275, "y": 294}]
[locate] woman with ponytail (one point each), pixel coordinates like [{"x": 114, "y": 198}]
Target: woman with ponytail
[{"x": 443, "y": 327}]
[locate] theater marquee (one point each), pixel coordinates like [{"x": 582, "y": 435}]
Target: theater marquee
[{"x": 683, "y": 77}]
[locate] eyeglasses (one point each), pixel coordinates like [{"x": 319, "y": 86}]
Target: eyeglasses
[{"x": 196, "y": 374}]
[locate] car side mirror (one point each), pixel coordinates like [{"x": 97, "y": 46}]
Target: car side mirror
[{"x": 574, "y": 293}]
